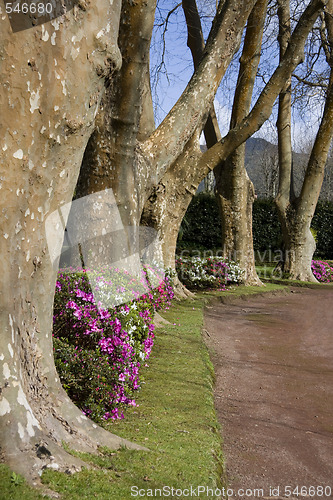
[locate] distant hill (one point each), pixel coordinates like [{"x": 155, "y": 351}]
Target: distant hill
[{"x": 261, "y": 162}]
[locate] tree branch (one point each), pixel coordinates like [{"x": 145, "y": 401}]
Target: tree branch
[
  {"x": 191, "y": 110},
  {"x": 264, "y": 104},
  {"x": 196, "y": 44},
  {"x": 304, "y": 81}
]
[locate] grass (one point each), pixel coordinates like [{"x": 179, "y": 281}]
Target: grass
[
  {"x": 14, "y": 487},
  {"x": 175, "y": 419},
  {"x": 266, "y": 274}
]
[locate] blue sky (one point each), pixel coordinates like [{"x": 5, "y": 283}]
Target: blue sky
[{"x": 172, "y": 77}]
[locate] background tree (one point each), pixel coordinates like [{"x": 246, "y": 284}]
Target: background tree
[
  {"x": 270, "y": 170},
  {"x": 168, "y": 202},
  {"x": 234, "y": 189},
  {"x": 296, "y": 213}
]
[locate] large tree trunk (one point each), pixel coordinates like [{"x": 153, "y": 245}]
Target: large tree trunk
[
  {"x": 52, "y": 77},
  {"x": 235, "y": 194},
  {"x": 234, "y": 189},
  {"x": 297, "y": 237},
  {"x": 111, "y": 159},
  {"x": 296, "y": 214},
  {"x": 167, "y": 205},
  {"x": 299, "y": 244}
]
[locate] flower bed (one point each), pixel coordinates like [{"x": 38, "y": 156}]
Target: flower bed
[
  {"x": 99, "y": 349},
  {"x": 322, "y": 271},
  {"x": 211, "y": 272}
]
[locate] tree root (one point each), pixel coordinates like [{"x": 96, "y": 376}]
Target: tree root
[{"x": 181, "y": 292}]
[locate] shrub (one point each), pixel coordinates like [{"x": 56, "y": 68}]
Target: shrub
[
  {"x": 322, "y": 271},
  {"x": 213, "y": 272},
  {"x": 266, "y": 226},
  {"x": 201, "y": 226},
  {"x": 99, "y": 350},
  {"x": 322, "y": 223}
]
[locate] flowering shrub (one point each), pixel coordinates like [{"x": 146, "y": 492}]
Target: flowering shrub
[
  {"x": 322, "y": 271},
  {"x": 98, "y": 349},
  {"x": 214, "y": 272}
]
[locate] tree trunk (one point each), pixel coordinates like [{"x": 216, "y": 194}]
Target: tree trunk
[
  {"x": 52, "y": 77},
  {"x": 156, "y": 208},
  {"x": 124, "y": 154},
  {"x": 235, "y": 194},
  {"x": 167, "y": 205},
  {"x": 234, "y": 189},
  {"x": 299, "y": 244},
  {"x": 296, "y": 214},
  {"x": 111, "y": 159}
]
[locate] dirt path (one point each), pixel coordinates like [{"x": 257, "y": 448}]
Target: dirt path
[{"x": 273, "y": 359}]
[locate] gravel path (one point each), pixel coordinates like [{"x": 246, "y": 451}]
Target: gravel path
[{"x": 273, "y": 358}]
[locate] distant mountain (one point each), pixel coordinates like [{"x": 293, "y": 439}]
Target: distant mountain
[{"x": 261, "y": 161}]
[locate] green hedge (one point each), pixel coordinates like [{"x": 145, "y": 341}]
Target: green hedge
[
  {"x": 201, "y": 227},
  {"x": 322, "y": 223},
  {"x": 266, "y": 227}
]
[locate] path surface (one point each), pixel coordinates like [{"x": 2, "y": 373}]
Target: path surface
[{"x": 273, "y": 359}]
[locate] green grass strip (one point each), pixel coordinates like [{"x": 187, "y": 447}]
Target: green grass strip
[{"x": 175, "y": 419}]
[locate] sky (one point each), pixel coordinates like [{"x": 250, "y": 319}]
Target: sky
[{"x": 169, "y": 79}]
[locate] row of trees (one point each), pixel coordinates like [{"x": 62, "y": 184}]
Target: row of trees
[{"x": 77, "y": 115}]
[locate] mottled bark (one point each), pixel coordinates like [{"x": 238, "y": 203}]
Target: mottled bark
[
  {"x": 296, "y": 214},
  {"x": 51, "y": 79},
  {"x": 120, "y": 154},
  {"x": 167, "y": 205},
  {"x": 298, "y": 239},
  {"x": 111, "y": 159}
]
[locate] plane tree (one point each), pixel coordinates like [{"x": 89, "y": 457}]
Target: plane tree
[
  {"x": 296, "y": 211},
  {"x": 52, "y": 78},
  {"x": 169, "y": 199}
]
